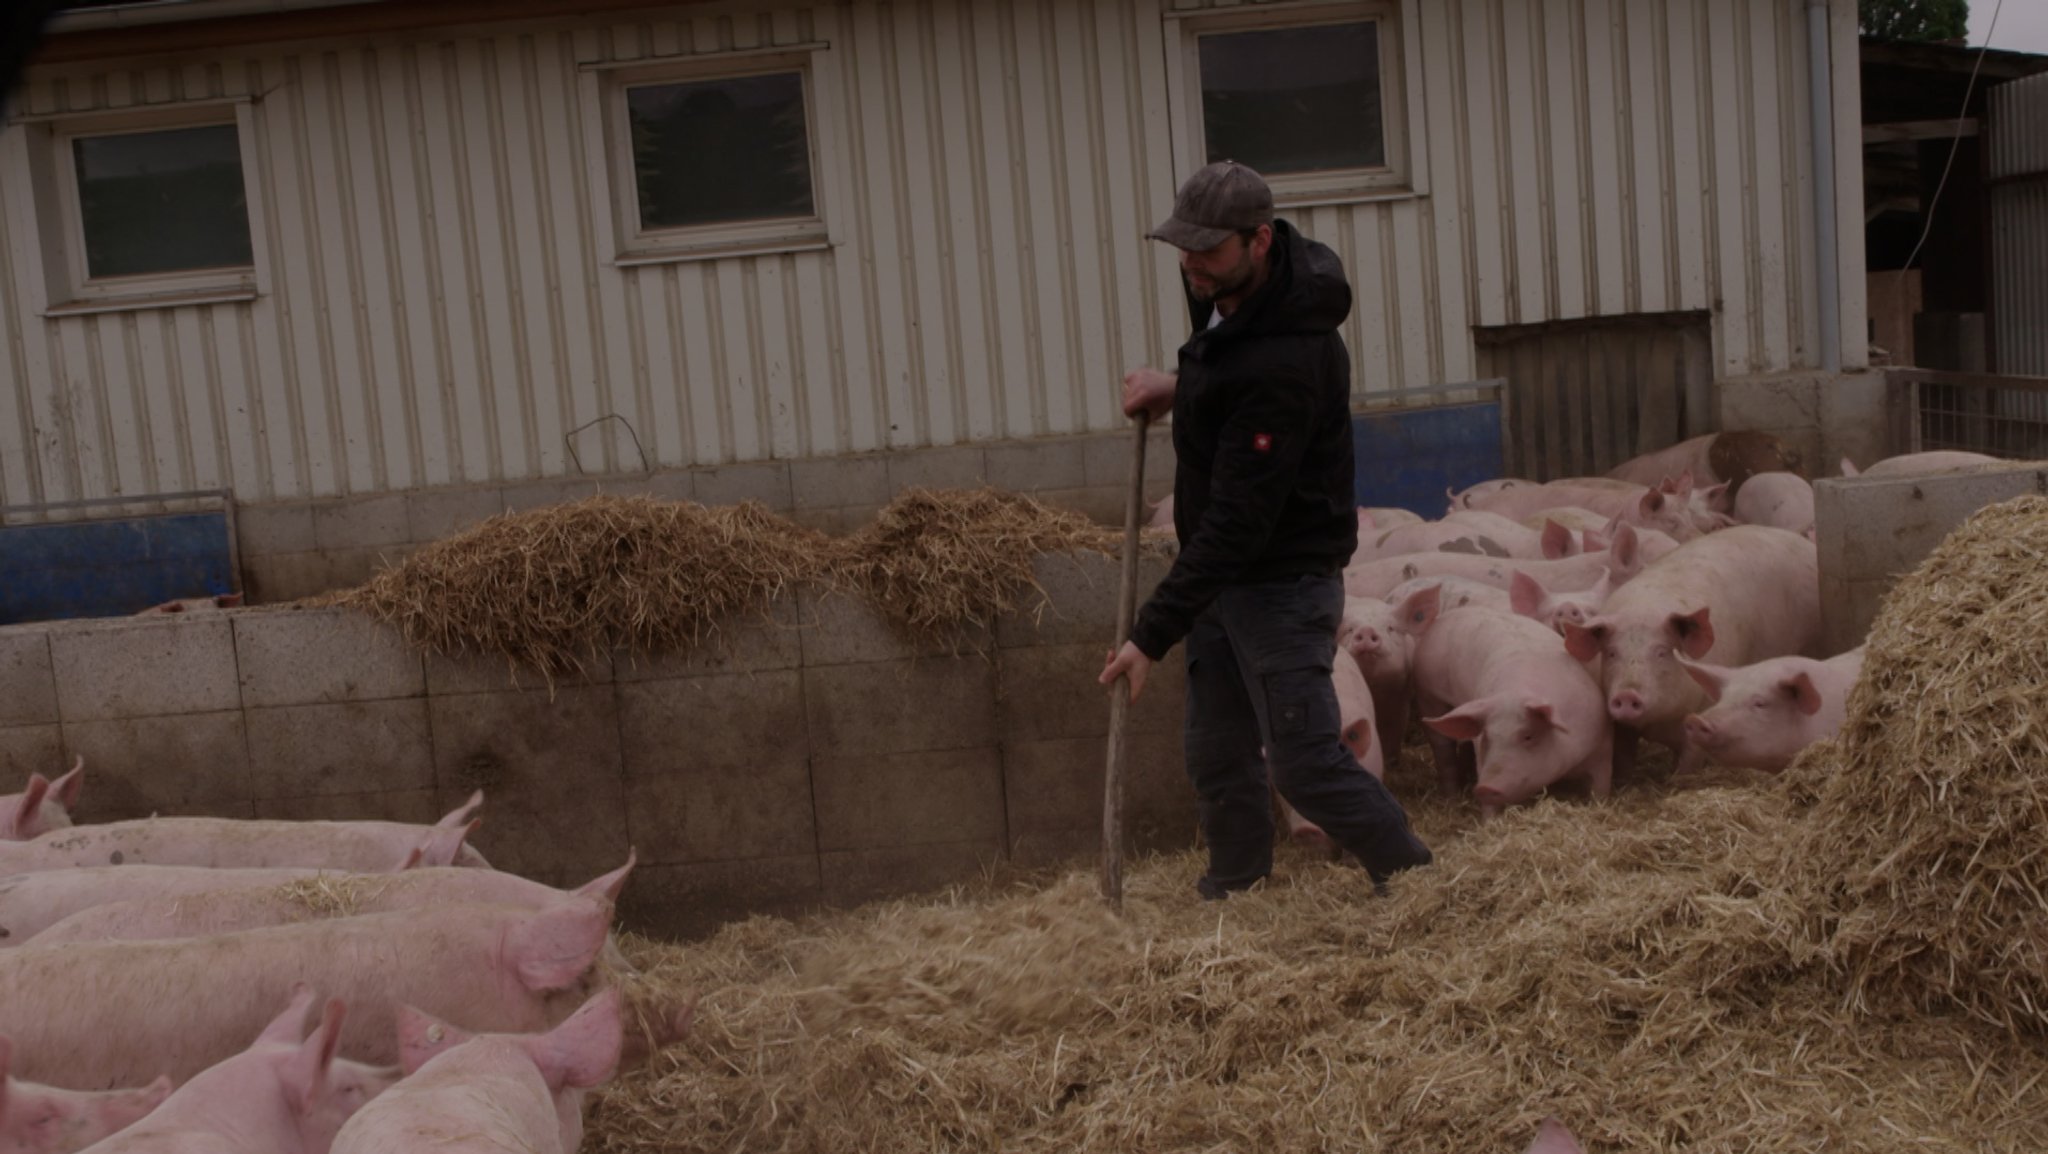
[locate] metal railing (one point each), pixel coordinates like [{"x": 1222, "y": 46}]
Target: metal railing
[{"x": 1998, "y": 414}]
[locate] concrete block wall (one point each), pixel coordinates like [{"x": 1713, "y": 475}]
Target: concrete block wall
[
  {"x": 1826, "y": 416},
  {"x": 1874, "y": 530},
  {"x": 813, "y": 758},
  {"x": 297, "y": 549}
]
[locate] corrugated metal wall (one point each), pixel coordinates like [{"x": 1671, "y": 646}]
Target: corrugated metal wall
[
  {"x": 2017, "y": 163},
  {"x": 440, "y": 305}
]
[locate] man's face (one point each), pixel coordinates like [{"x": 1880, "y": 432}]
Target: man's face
[{"x": 1228, "y": 270}]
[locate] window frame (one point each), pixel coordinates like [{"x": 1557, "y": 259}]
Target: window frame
[
  {"x": 1402, "y": 130},
  {"x": 635, "y": 245},
  {"x": 70, "y": 287}
]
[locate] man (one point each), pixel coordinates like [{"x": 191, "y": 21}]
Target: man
[{"x": 1264, "y": 509}]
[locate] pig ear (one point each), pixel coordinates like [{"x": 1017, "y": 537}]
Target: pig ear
[
  {"x": 609, "y": 886},
  {"x": 583, "y": 1051},
  {"x": 557, "y": 944},
  {"x": 443, "y": 844},
  {"x": 1464, "y": 723},
  {"x": 1557, "y": 541},
  {"x": 1526, "y": 595},
  {"x": 460, "y": 816},
  {"x": 1542, "y": 714},
  {"x": 288, "y": 1027},
  {"x": 1585, "y": 641},
  {"x": 1593, "y": 540},
  {"x": 1803, "y": 692},
  {"x": 1626, "y": 549},
  {"x": 305, "y": 1076},
  {"x": 1365, "y": 520},
  {"x": 159, "y": 1089},
  {"x": 31, "y": 801},
  {"x": 421, "y": 1036},
  {"x": 1553, "y": 1138},
  {"x": 1679, "y": 486},
  {"x": 1716, "y": 497},
  {"x": 1605, "y": 585},
  {"x": 1712, "y": 678},
  {"x": 1651, "y": 501},
  {"x": 1419, "y": 610},
  {"x": 67, "y": 788},
  {"x": 1695, "y": 632},
  {"x": 1849, "y": 468}
]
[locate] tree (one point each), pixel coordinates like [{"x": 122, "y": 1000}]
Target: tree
[{"x": 1914, "y": 19}]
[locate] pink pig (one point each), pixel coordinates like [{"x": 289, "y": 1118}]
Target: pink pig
[
  {"x": 282, "y": 1095},
  {"x": 1765, "y": 713},
  {"x": 33, "y": 902},
  {"x": 1505, "y": 684},
  {"x": 101, "y": 1014},
  {"x": 1553, "y": 1138},
  {"x": 227, "y": 843},
  {"x": 253, "y": 904},
  {"x": 1739, "y": 596},
  {"x": 1378, "y": 578},
  {"x": 1780, "y": 500},
  {"x": 45, "y": 805},
  {"x": 484, "y": 1094},
  {"x": 1382, "y": 653},
  {"x": 45, "y": 1120}
]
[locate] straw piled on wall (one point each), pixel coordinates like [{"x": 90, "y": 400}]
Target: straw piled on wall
[{"x": 550, "y": 588}]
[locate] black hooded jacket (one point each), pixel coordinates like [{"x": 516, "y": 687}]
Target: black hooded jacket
[{"x": 1263, "y": 486}]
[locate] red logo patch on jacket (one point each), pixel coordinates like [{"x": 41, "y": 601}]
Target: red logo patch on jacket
[{"x": 1262, "y": 443}]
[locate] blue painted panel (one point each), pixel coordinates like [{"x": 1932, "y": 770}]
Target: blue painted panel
[
  {"x": 112, "y": 567},
  {"x": 1406, "y": 458}
]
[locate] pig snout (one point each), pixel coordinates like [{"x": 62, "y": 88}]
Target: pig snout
[
  {"x": 1490, "y": 796},
  {"x": 1365, "y": 639},
  {"x": 1626, "y": 705},
  {"x": 1699, "y": 731}
]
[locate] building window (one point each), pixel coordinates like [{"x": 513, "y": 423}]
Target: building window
[
  {"x": 166, "y": 201},
  {"x": 1312, "y": 96},
  {"x": 145, "y": 208},
  {"x": 711, "y": 158}
]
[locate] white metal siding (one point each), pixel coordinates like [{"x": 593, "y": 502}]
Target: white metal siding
[
  {"x": 2017, "y": 160},
  {"x": 439, "y": 303}
]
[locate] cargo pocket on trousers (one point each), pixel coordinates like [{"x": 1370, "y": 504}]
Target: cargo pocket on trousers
[{"x": 1299, "y": 702}]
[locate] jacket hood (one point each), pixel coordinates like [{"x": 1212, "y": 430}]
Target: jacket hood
[{"x": 1306, "y": 292}]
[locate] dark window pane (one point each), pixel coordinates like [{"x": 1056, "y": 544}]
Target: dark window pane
[
  {"x": 155, "y": 202},
  {"x": 716, "y": 151},
  {"x": 1294, "y": 99}
]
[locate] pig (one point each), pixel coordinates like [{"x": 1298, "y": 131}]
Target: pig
[
  {"x": 229, "y": 843},
  {"x": 32, "y": 903},
  {"x": 1920, "y": 464},
  {"x": 1367, "y": 634},
  {"x": 100, "y": 1014},
  {"x": 1739, "y": 596},
  {"x": 1553, "y": 1138},
  {"x": 1573, "y": 517},
  {"x": 1465, "y": 498},
  {"x": 1764, "y": 714},
  {"x": 1497, "y": 537},
  {"x": 486, "y": 1094},
  {"x": 45, "y": 805},
  {"x": 254, "y": 904},
  {"x": 1653, "y": 546},
  {"x": 287, "y": 1093},
  {"x": 1528, "y": 598},
  {"x": 1505, "y": 684},
  {"x": 1732, "y": 457},
  {"x": 1780, "y": 500},
  {"x": 1381, "y": 517},
  {"x": 1376, "y": 579},
  {"x": 46, "y": 1120},
  {"x": 1162, "y": 514}
]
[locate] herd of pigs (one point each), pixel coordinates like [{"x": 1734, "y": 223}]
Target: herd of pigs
[
  {"x": 159, "y": 980},
  {"x": 1541, "y": 631}
]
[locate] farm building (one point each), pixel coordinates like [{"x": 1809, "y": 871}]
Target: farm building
[{"x": 404, "y": 265}]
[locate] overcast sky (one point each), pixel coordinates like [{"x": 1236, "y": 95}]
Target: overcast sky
[{"x": 2022, "y": 26}]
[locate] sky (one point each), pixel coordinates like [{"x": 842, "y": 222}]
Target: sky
[{"x": 2022, "y": 26}]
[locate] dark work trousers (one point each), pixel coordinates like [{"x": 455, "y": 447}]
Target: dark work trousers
[{"x": 1259, "y": 677}]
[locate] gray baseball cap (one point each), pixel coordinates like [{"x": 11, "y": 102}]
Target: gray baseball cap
[{"x": 1224, "y": 198}]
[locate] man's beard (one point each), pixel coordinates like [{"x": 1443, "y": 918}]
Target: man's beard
[{"x": 1240, "y": 278}]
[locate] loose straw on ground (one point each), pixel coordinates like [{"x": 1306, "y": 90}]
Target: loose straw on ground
[{"x": 1850, "y": 958}]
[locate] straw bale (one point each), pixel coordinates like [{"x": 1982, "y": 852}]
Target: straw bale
[{"x": 1923, "y": 862}]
